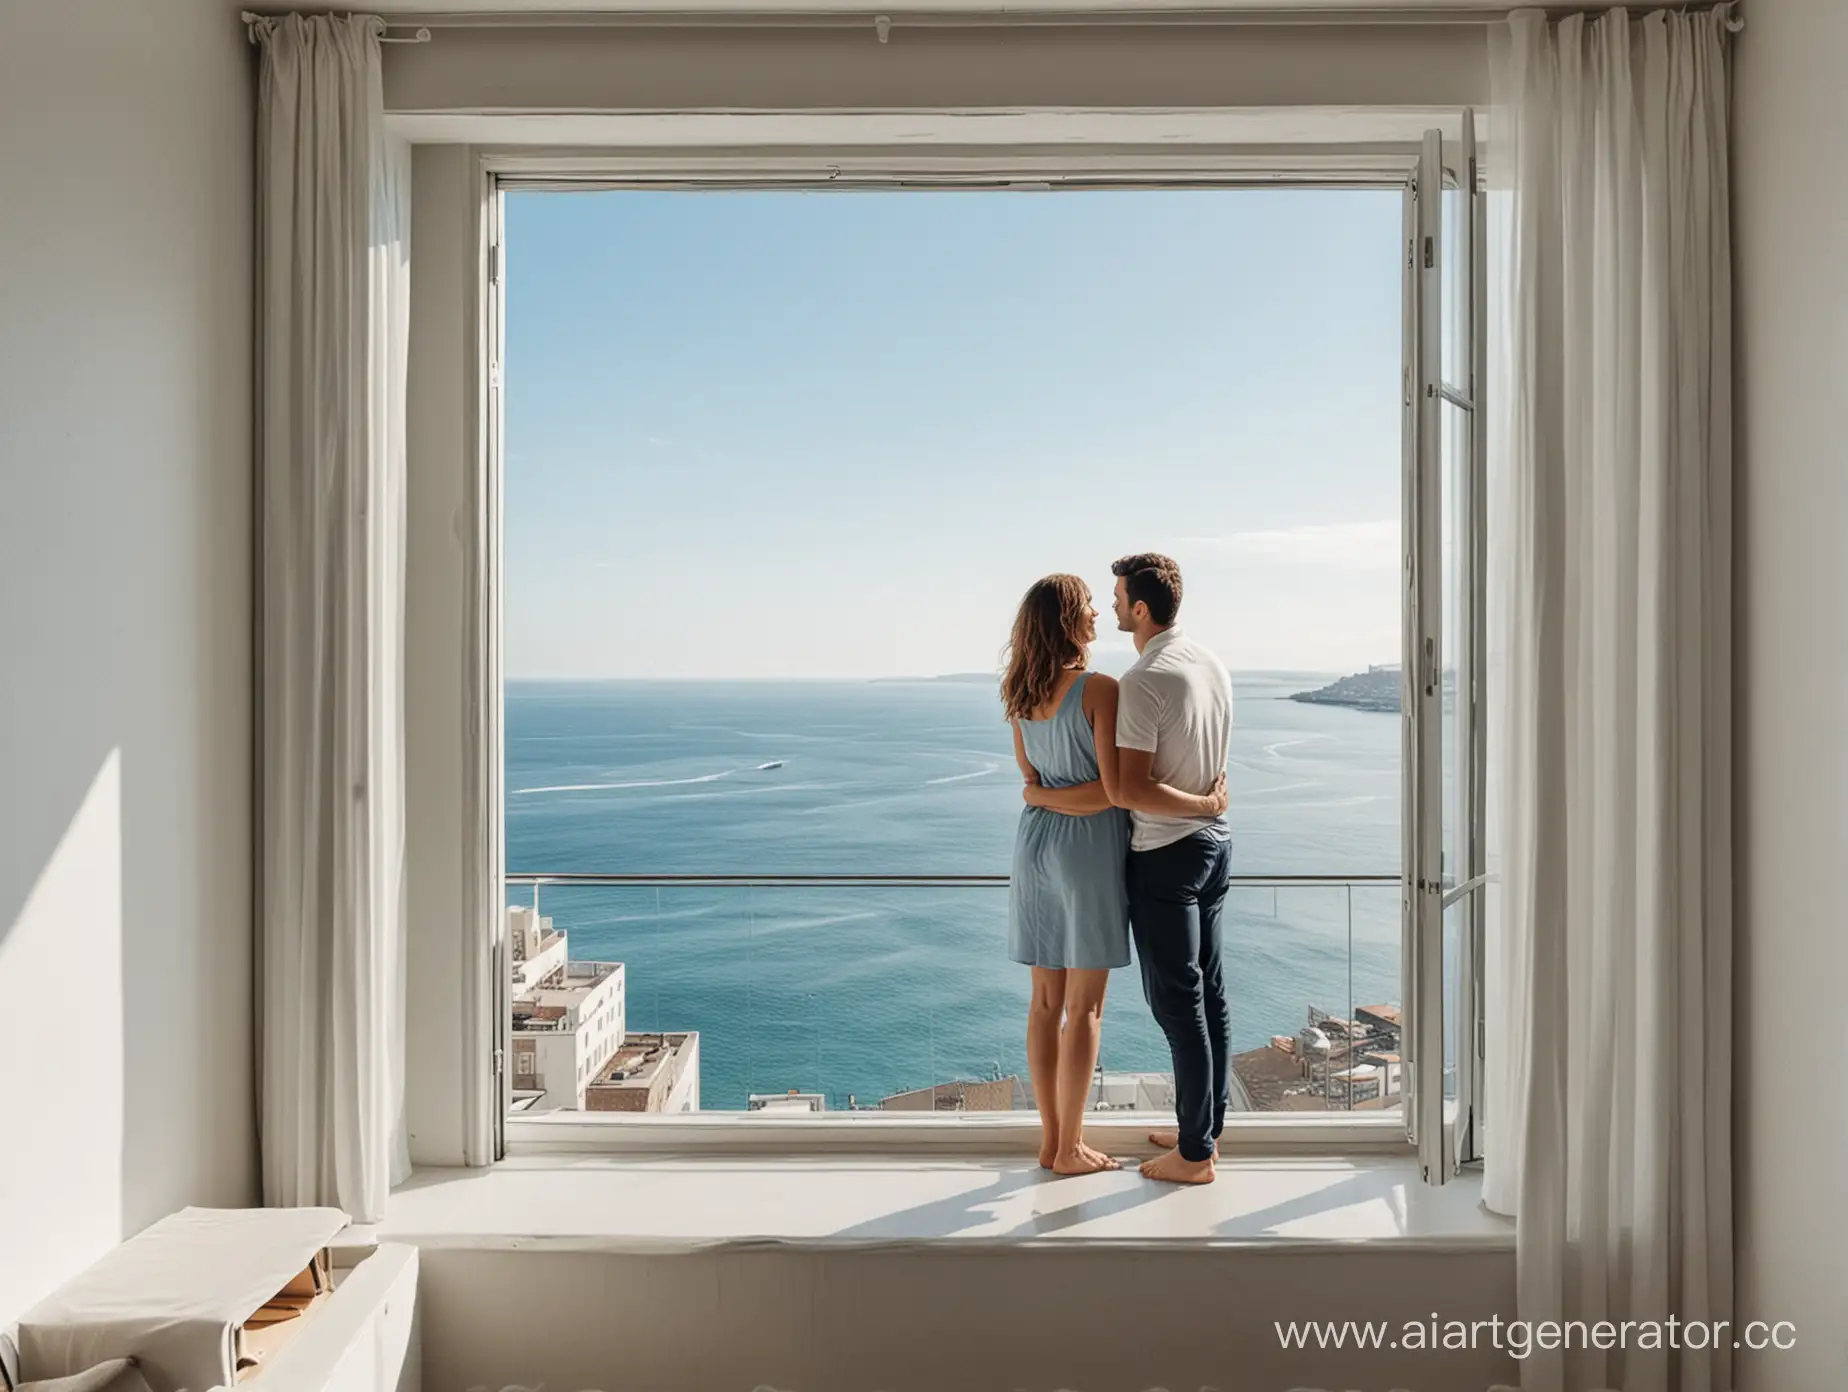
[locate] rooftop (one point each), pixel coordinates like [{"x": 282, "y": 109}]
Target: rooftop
[
  {"x": 638, "y": 1061},
  {"x": 991, "y": 1095},
  {"x": 1272, "y": 1079},
  {"x": 570, "y": 990}
]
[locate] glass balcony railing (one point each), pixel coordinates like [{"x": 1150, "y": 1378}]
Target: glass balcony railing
[{"x": 852, "y": 993}]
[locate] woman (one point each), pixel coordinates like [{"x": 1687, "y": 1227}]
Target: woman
[{"x": 1068, "y": 910}]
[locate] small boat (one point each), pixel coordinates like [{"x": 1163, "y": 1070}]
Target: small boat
[{"x": 774, "y": 763}]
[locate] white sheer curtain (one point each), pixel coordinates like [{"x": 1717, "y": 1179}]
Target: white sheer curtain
[
  {"x": 333, "y": 238},
  {"x": 1609, "y": 1114}
]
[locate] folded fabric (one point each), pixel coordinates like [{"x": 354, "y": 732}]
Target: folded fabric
[
  {"x": 114, "y": 1375},
  {"x": 175, "y": 1296}
]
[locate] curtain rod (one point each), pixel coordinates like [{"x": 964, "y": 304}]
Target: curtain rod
[
  {"x": 250, "y": 19},
  {"x": 1150, "y": 13}
]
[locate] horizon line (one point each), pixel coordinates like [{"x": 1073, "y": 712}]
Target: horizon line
[{"x": 938, "y": 677}]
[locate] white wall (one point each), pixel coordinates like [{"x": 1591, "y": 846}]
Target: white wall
[
  {"x": 685, "y": 1096},
  {"x": 806, "y": 69},
  {"x": 125, "y": 620},
  {"x": 923, "y": 1318},
  {"x": 1791, "y": 227}
]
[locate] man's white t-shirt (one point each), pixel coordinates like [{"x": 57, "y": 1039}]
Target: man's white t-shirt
[{"x": 1175, "y": 703}]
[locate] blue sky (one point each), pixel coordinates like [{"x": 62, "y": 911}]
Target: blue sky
[{"x": 775, "y": 434}]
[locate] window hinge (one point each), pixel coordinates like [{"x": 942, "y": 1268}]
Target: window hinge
[
  {"x": 500, "y": 1062},
  {"x": 493, "y": 263},
  {"x": 1482, "y": 1039},
  {"x": 1430, "y": 252}
]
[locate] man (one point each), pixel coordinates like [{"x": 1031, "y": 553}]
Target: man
[{"x": 1174, "y": 721}]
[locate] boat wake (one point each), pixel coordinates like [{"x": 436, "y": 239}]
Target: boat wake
[
  {"x": 637, "y": 783},
  {"x": 1275, "y": 751},
  {"x": 1280, "y": 788},
  {"x": 982, "y": 772}
]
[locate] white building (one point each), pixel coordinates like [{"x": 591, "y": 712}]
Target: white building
[
  {"x": 1132, "y": 1092},
  {"x": 791, "y": 1101},
  {"x": 569, "y": 1018},
  {"x": 536, "y": 949}
]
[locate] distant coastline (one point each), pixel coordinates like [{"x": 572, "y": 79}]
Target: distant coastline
[{"x": 1376, "y": 689}]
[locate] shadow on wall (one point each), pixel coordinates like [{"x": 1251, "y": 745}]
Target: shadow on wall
[
  {"x": 124, "y": 1003},
  {"x": 62, "y": 1035},
  {"x": 47, "y": 836}
]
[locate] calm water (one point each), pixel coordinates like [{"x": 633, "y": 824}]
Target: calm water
[{"x": 865, "y": 992}]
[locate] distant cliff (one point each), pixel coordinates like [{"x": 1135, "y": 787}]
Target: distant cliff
[{"x": 1376, "y": 689}]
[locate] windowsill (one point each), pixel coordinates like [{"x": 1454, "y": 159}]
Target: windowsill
[
  {"x": 637, "y": 1205},
  {"x": 915, "y": 1135}
]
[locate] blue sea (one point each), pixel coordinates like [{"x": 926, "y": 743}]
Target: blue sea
[{"x": 859, "y": 993}]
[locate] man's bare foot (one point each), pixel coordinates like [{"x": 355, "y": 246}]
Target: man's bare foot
[
  {"x": 1171, "y": 1140},
  {"x": 1083, "y": 1160},
  {"x": 1175, "y": 1168}
]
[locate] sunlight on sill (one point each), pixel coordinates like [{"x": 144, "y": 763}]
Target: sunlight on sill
[{"x": 616, "y": 1204}]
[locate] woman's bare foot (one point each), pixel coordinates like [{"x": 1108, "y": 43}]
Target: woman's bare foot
[
  {"x": 1171, "y": 1140},
  {"x": 1091, "y": 1158},
  {"x": 1110, "y": 1162},
  {"x": 1083, "y": 1160},
  {"x": 1175, "y": 1168}
]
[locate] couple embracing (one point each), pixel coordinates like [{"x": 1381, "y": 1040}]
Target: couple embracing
[{"x": 1124, "y": 834}]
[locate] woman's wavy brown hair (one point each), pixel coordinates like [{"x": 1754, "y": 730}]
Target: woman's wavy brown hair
[{"x": 1048, "y": 638}]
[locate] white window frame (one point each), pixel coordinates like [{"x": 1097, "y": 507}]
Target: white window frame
[
  {"x": 1446, "y": 1132},
  {"x": 489, "y": 1127}
]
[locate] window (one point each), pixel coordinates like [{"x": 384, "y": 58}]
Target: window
[
  {"x": 778, "y": 463},
  {"x": 1445, "y": 650}
]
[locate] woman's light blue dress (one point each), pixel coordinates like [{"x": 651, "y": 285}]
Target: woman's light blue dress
[{"x": 1067, "y": 904}]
